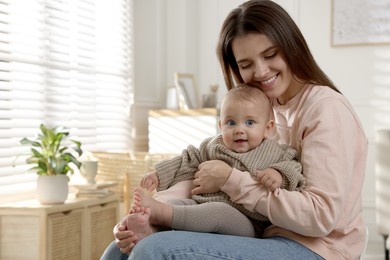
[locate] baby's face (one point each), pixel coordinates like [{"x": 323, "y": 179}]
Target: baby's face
[{"x": 243, "y": 124}]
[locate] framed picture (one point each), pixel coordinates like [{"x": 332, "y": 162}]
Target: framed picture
[
  {"x": 360, "y": 22},
  {"x": 187, "y": 92}
]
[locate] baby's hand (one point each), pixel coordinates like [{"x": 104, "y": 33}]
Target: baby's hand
[
  {"x": 149, "y": 181},
  {"x": 270, "y": 178}
]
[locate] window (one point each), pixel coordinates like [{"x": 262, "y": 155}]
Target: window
[{"x": 68, "y": 63}]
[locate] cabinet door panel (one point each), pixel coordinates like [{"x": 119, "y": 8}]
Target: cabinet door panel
[
  {"x": 101, "y": 220},
  {"x": 18, "y": 235},
  {"x": 65, "y": 232}
]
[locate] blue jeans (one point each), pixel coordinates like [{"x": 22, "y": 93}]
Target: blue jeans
[{"x": 187, "y": 245}]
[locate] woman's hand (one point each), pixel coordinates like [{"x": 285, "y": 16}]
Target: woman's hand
[
  {"x": 211, "y": 176},
  {"x": 124, "y": 239}
]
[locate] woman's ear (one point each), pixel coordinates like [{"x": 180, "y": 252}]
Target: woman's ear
[{"x": 269, "y": 127}]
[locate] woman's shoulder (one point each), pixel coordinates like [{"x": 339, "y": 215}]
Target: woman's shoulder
[
  {"x": 316, "y": 93},
  {"x": 322, "y": 96},
  {"x": 319, "y": 102}
]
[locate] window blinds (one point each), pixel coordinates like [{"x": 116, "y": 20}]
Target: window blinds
[{"x": 68, "y": 63}]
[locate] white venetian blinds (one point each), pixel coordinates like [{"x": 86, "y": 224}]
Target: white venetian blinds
[{"x": 68, "y": 63}]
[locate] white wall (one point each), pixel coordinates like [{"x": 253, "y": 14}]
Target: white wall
[{"x": 181, "y": 35}]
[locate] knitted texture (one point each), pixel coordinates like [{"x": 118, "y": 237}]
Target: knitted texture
[{"x": 269, "y": 154}]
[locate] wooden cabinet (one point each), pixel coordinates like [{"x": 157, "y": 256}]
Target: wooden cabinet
[
  {"x": 78, "y": 229},
  {"x": 171, "y": 131},
  {"x": 101, "y": 220}
]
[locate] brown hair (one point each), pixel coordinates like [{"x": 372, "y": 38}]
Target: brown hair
[
  {"x": 268, "y": 18},
  {"x": 251, "y": 93}
]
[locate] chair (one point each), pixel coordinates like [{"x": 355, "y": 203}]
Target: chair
[
  {"x": 382, "y": 185},
  {"x": 365, "y": 245}
]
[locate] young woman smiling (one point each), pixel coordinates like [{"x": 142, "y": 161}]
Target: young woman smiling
[{"x": 261, "y": 44}]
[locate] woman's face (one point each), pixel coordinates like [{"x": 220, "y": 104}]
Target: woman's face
[{"x": 261, "y": 63}]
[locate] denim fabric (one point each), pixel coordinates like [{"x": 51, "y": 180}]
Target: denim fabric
[{"x": 177, "y": 245}]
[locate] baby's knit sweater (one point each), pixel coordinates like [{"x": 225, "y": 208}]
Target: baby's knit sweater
[{"x": 269, "y": 154}]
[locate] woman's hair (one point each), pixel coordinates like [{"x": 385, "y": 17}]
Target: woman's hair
[{"x": 268, "y": 18}]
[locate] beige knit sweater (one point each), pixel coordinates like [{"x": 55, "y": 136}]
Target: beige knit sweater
[{"x": 269, "y": 154}]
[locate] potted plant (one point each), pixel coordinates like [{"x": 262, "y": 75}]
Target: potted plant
[{"x": 52, "y": 155}]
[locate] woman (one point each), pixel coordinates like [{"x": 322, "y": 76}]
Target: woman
[{"x": 260, "y": 43}]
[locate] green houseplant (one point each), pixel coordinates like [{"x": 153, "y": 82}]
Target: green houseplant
[{"x": 52, "y": 155}]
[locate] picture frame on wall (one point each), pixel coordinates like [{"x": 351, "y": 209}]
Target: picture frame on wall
[
  {"x": 187, "y": 92},
  {"x": 361, "y": 22}
]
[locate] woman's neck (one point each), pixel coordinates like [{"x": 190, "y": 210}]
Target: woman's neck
[{"x": 291, "y": 92}]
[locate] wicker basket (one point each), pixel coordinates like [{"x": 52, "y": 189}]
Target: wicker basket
[
  {"x": 127, "y": 169},
  {"x": 140, "y": 164},
  {"x": 112, "y": 167}
]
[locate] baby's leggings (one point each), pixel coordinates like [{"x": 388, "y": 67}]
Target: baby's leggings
[{"x": 210, "y": 217}]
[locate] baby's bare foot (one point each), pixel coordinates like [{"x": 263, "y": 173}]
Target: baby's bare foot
[
  {"x": 141, "y": 199},
  {"x": 161, "y": 212},
  {"x": 138, "y": 222}
]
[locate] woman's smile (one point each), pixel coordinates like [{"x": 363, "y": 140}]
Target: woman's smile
[{"x": 269, "y": 81}]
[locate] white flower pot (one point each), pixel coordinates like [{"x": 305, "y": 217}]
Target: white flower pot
[{"x": 52, "y": 189}]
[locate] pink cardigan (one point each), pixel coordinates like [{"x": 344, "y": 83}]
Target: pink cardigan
[{"x": 327, "y": 215}]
